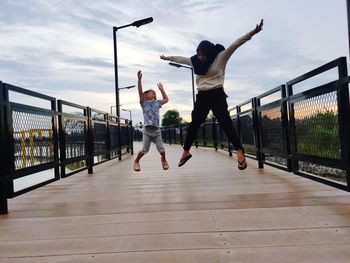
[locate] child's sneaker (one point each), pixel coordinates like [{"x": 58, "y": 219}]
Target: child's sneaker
[
  {"x": 137, "y": 167},
  {"x": 165, "y": 164}
]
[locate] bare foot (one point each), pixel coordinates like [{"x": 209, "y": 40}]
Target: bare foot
[
  {"x": 165, "y": 164},
  {"x": 240, "y": 156},
  {"x": 137, "y": 167}
]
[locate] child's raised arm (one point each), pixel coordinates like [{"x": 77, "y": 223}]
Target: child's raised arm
[
  {"x": 139, "y": 85},
  {"x": 165, "y": 97}
]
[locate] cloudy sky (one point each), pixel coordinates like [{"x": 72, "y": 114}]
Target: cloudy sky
[{"x": 64, "y": 48}]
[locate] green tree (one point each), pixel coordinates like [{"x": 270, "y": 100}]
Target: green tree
[
  {"x": 171, "y": 117},
  {"x": 318, "y": 135}
]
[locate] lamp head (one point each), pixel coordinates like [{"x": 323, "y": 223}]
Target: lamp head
[
  {"x": 142, "y": 22},
  {"x": 175, "y": 65},
  {"x": 128, "y": 87}
]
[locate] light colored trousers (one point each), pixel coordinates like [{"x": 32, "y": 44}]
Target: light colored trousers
[{"x": 152, "y": 134}]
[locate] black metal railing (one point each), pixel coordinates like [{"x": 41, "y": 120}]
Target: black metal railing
[
  {"x": 74, "y": 141},
  {"x": 305, "y": 133},
  {"x": 41, "y": 143}
]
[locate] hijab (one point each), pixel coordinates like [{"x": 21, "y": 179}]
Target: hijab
[{"x": 210, "y": 51}]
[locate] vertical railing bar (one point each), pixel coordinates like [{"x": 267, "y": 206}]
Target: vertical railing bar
[
  {"x": 4, "y": 172},
  {"x": 285, "y": 127},
  {"x": 215, "y": 137},
  {"x": 90, "y": 141},
  {"x": 108, "y": 140},
  {"x": 344, "y": 118},
  {"x": 62, "y": 138},
  {"x": 257, "y": 132}
]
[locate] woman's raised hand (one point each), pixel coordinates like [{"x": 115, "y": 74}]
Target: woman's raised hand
[
  {"x": 259, "y": 27},
  {"x": 164, "y": 57}
]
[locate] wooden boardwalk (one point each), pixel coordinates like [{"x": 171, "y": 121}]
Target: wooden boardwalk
[{"x": 206, "y": 211}]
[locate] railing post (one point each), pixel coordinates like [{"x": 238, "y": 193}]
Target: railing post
[
  {"x": 163, "y": 134},
  {"x": 215, "y": 137},
  {"x": 169, "y": 135},
  {"x": 119, "y": 138},
  {"x": 56, "y": 139},
  {"x": 285, "y": 128},
  {"x": 291, "y": 131},
  {"x": 90, "y": 141},
  {"x": 181, "y": 135},
  {"x": 108, "y": 137},
  {"x": 4, "y": 176},
  {"x": 62, "y": 140},
  {"x": 257, "y": 133},
  {"x": 3, "y": 195},
  {"x": 229, "y": 147},
  {"x": 204, "y": 134},
  {"x": 238, "y": 129},
  {"x": 344, "y": 118},
  {"x": 131, "y": 138}
]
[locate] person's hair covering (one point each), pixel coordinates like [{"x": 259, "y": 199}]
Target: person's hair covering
[{"x": 210, "y": 51}]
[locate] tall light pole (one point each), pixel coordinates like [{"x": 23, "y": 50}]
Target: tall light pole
[
  {"x": 137, "y": 23},
  {"x": 192, "y": 74}
]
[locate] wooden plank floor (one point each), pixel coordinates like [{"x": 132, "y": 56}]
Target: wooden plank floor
[{"x": 206, "y": 211}]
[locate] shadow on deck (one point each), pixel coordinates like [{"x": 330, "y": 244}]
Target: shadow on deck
[{"x": 205, "y": 211}]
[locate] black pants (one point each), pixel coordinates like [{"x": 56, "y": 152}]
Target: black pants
[{"x": 214, "y": 100}]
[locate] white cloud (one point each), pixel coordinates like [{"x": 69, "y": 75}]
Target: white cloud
[{"x": 65, "y": 48}]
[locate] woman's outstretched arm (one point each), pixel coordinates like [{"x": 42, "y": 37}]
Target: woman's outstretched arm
[
  {"x": 177, "y": 59},
  {"x": 227, "y": 53}
]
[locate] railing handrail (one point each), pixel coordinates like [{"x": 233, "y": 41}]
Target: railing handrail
[
  {"x": 332, "y": 64},
  {"x": 71, "y": 104},
  {"x": 29, "y": 92}
]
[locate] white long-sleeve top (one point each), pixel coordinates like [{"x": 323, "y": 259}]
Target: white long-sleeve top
[{"x": 215, "y": 76}]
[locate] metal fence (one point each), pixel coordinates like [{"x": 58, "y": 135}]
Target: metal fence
[
  {"x": 307, "y": 133},
  {"x": 41, "y": 143}
]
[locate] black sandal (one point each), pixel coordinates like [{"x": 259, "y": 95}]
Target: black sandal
[
  {"x": 184, "y": 160},
  {"x": 242, "y": 165}
]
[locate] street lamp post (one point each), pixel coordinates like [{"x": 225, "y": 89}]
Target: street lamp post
[
  {"x": 192, "y": 74},
  {"x": 137, "y": 23}
]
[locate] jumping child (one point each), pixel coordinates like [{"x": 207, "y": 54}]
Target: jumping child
[{"x": 151, "y": 131}]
